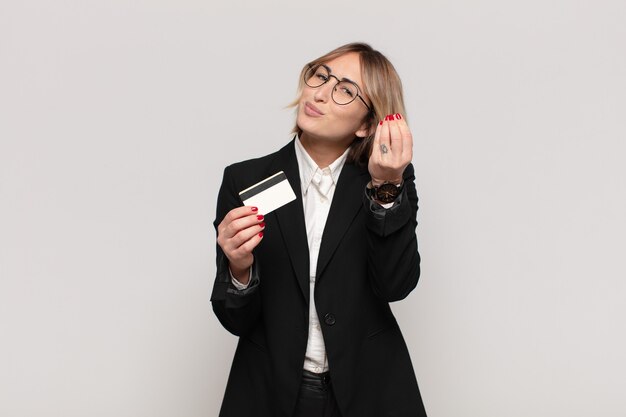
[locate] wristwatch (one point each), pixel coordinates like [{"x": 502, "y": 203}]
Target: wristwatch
[{"x": 384, "y": 193}]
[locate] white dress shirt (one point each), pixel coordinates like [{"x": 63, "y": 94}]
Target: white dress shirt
[{"x": 318, "y": 187}]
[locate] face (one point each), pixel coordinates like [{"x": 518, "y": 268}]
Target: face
[{"x": 320, "y": 118}]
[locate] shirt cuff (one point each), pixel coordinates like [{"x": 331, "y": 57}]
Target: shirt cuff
[{"x": 238, "y": 284}]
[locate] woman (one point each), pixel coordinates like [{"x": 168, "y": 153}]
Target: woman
[{"x": 307, "y": 287}]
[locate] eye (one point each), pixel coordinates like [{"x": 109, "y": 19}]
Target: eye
[
  {"x": 347, "y": 91},
  {"x": 321, "y": 76}
]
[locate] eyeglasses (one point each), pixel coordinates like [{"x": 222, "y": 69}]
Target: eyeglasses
[{"x": 344, "y": 92}]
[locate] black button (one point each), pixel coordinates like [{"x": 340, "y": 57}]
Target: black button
[{"x": 329, "y": 319}]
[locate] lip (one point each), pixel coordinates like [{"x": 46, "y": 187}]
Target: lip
[{"x": 311, "y": 110}]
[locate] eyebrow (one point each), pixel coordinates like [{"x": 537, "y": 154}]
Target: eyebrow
[{"x": 330, "y": 71}]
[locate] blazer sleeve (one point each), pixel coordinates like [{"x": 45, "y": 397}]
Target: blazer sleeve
[
  {"x": 393, "y": 257},
  {"x": 237, "y": 310}
]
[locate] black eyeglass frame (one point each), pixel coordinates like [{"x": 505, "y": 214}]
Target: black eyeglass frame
[{"x": 330, "y": 74}]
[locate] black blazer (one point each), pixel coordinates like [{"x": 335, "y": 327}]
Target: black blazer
[{"x": 368, "y": 258}]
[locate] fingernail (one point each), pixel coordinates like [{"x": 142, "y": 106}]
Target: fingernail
[
  {"x": 260, "y": 234},
  {"x": 389, "y": 117},
  {"x": 259, "y": 217},
  {"x": 262, "y": 224},
  {"x": 255, "y": 208},
  {"x": 381, "y": 123},
  {"x": 398, "y": 116}
]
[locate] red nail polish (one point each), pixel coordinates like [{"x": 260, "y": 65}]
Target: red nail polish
[
  {"x": 254, "y": 208},
  {"x": 381, "y": 123},
  {"x": 259, "y": 217},
  {"x": 398, "y": 116},
  {"x": 262, "y": 224},
  {"x": 260, "y": 234}
]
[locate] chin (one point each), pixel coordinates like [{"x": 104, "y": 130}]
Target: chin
[{"x": 308, "y": 126}]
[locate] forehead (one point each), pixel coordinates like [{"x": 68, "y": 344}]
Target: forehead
[{"x": 346, "y": 66}]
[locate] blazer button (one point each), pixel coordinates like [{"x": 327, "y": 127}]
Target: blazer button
[{"x": 329, "y": 319}]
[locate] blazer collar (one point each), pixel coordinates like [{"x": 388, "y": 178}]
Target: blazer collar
[
  {"x": 346, "y": 203},
  {"x": 291, "y": 218}
]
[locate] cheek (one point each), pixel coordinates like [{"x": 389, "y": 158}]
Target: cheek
[
  {"x": 350, "y": 117},
  {"x": 306, "y": 94}
]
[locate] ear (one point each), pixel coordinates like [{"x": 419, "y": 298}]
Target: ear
[{"x": 368, "y": 128}]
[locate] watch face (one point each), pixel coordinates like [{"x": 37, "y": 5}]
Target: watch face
[{"x": 386, "y": 193}]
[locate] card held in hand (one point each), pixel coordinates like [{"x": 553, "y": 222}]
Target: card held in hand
[{"x": 269, "y": 194}]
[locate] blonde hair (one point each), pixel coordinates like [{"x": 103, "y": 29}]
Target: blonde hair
[{"x": 381, "y": 84}]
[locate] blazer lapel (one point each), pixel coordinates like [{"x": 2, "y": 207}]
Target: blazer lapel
[
  {"x": 291, "y": 219},
  {"x": 347, "y": 201}
]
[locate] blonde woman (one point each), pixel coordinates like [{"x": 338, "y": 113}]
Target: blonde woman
[{"x": 307, "y": 287}]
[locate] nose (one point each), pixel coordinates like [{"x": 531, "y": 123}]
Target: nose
[{"x": 323, "y": 92}]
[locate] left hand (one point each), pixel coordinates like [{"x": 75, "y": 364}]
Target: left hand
[{"x": 392, "y": 150}]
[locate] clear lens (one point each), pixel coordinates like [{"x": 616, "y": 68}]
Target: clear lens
[
  {"x": 344, "y": 92},
  {"x": 316, "y": 76}
]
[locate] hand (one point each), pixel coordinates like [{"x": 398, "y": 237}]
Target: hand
[
  {"x": 392, "y": 150},
  {"x": 238, "y": 234}
]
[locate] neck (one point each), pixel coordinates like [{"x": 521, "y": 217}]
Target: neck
[{"x": 323, "y": 152}]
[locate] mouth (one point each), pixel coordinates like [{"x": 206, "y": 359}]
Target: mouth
[{"x": 311, "y": 110}]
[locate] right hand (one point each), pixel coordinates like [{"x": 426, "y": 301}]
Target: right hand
[{"x": 238, "y": 234}]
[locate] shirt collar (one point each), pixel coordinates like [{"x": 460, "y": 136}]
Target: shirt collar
[{"x": 308, "y": 168}]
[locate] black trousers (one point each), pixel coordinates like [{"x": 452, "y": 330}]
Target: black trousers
[{"x": 316, "y": 397}]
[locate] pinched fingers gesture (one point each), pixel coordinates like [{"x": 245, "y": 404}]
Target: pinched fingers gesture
[
  {"x": 238, "y": 234},
  {"x": 392, "y": 150}
]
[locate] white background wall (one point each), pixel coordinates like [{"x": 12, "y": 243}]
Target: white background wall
[{"x": 117, "y": 119}]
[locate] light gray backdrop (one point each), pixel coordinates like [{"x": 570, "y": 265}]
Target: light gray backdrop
[{"x": 117, "y": 119}]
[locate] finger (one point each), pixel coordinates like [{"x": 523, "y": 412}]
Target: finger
[
  {"x": 239, "y": 212},
  {"x": 237, "y": 219},
  {"x": 236, "y": 226},
  {"x": 384, "y": 146},
  {"x": 234, "y": 247},
  {"x": 251, "y": 243},
  {"x": 246, "y": 234},
  {"x": 376, "y": 142},
  {"x": 375, "y": 149},
  {"x": 407, "y": 140},
  {"x": 395, "y": 137}
]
